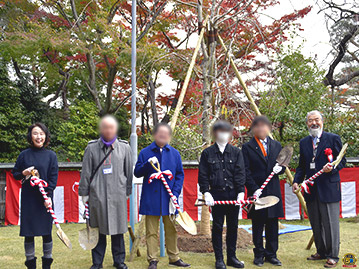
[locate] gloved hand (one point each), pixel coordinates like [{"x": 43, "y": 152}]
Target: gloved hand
[
  {"x": 172, "y": 208},
  {"x": 209, "y": 199},
  {"x": 153, "y": 160},
  {"x": 277, "y": 168},
  {"x": 240, "y": 197},
  {"x": 257, "y": 193},
  {"x": 84, "y": 199}
]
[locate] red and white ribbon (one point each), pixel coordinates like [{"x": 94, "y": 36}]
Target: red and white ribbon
[
  {"x": 235, "y": 202},
  {"x": 160, "y": 175},
  {"x": 87, "y": 212},
  {"x": 310, "y": 181},
  {"x": 35, "y": 181},
  {"x": 265, "y": 183}
]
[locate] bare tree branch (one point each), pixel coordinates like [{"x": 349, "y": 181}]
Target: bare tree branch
[
  {"x": 156, "y": 13},
  {"x": 342, "y": 47},
  {"x": 74, "y": 13}
]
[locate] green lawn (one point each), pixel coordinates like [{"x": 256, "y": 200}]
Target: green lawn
[{"x": 292, "y": 251}]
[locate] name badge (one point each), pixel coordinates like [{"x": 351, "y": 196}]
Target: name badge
[
  {"x": 312, "y": 166},
  {"x": 107, "y": 170}
]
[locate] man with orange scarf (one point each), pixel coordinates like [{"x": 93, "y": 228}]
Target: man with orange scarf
[{"x": 260, "y": 155}]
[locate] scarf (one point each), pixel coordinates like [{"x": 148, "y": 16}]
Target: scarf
[
  {"x": 261, "y": 146},
  {"x": 107, "y": 144}
]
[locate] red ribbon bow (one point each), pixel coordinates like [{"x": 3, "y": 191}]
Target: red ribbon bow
[
  {"x": 305, "y": 186},
  {"x": 160, "y": 175},
  {"x": 329, "y": 153},
  {"x": 35, "y": 181}
]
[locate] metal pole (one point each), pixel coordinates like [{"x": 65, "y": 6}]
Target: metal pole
[
  {"x": 162, "y": 238},
  {"x": 133, "y": 137}
]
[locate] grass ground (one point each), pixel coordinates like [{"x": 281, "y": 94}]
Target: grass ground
[{"x": 291, "y": 252}]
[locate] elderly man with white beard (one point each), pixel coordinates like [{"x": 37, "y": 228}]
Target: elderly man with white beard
[{"x": 323, "y": 198}]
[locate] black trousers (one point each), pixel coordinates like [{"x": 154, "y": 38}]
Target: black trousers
[
  {"x": 218, "y": 214},
  {"x": 117, "y": 247},
  {"x": 271, "y": 234}
]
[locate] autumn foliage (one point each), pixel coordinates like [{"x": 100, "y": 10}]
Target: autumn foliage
[{"x": 81, "y": 49}]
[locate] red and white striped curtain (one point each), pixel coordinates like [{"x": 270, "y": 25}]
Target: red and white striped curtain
[{"x": 69, "y": 209}]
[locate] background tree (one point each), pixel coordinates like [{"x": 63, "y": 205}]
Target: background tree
[
  {"x": 343, "y": 26},
  {"x": 298, "y": 89},
  {"x": 13, "y": 118}
]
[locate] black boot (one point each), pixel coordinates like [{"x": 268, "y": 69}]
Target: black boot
[
  {"x": 234, "y": 262},
  {"x": 220, "y": 264},
  {"x": 31, "y": 264},
  {"x": 46, "y": 263}
]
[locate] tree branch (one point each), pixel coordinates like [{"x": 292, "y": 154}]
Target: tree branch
[
  {"x": 152, "y": 95},
  {"x": 91, "y": 84},
  {"x": 113, "y": 11},
  {"x": 74, "y": 13},
  {"x": 342, "y": 47},
  {"x": 152, "y": 22},
  {"x": 17, "y": 69}
]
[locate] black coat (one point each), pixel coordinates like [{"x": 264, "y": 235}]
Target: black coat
[
  {"x": 327, "y": 186},
  {"x": 218, "y": 172},
  {"x": 258, "y": 168},
  {"x": 34, "y": 218}
]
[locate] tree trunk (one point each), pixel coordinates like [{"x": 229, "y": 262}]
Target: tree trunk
[
  {"x": 152, "y": 94},
  {"x": 91, "y": 84},
  {"x": 167, "y": 117},
  {"x": 205, "y": 225},
  {"x": 207, "y": 69}
]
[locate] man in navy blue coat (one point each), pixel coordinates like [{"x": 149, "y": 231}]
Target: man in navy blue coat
[
  {"x": 260, "y": 155},
  {"x": 324, "y": 198},
  {"x": 155, "y": 200}
]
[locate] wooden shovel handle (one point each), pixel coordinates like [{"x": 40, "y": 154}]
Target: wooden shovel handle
[{"x": 200, "y": 202}]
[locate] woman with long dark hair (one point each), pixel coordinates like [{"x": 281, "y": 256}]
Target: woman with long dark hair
[{"x": 34, "y": 218}]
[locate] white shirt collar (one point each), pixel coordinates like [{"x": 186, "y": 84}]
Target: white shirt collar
[
  {"x": 221, "y": 146},
  {"x": 264, "y": 140}
]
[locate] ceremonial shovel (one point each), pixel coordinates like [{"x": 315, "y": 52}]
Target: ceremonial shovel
[
  {"x": 310, "y": 181},
  {"x": 259, "y": 203},
  {"x": 283, "y": 159},
  {"x": 183, "y": 218},
  {"x": 88, "y": 237},
  {"x": 35, "y": 180}
]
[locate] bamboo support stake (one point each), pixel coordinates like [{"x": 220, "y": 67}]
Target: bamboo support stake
[
  {"x": 188, "y": 75},
  {"x": 256, "y": 110}
]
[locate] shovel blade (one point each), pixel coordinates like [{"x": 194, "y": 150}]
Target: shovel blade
[
  {"x": 285, "y": 155},
  {"x": 88, "y": 238},
  {"x": 265, "y": 202},
  {"x": 187, "y": 223},
  {"x": 63, "y": 237}
]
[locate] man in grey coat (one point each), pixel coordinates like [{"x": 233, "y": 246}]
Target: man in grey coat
[{"x": 107, "y": 189}]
